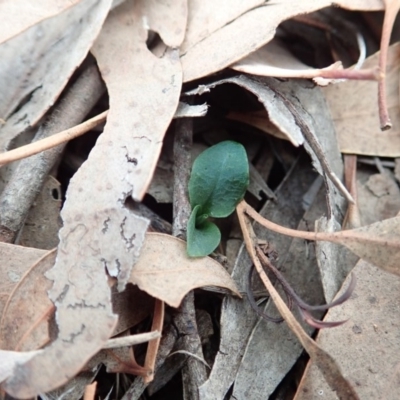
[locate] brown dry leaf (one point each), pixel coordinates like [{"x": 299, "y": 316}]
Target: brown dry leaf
[
  {"x": 42, "y": 32},
  {"x": 355, "y": 113},
  {"x": 154, "y": 89},
  {"x": 23, "y": 325},
  {"x": 166, "y": 272},
  {"x": 378, "y": 243},
  {"x": 275, "y": 60},
  {"x": 23, "y": 281},
  {"x": 18, "y": 260},
  {"x": 215, "y": 40},
  {"x": 367, "y": 346}
]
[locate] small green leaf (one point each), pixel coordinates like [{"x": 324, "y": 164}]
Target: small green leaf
[
  {"x": 219, "y": 179},
  {"x": 202, "y": 240}
]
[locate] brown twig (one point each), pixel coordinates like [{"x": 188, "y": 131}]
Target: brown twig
[
  {"x": 194, "y": 372},
  {"x": 28, "y": 178}
]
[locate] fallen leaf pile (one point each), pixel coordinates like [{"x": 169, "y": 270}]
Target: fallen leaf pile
[{"x": 104, "y": 107}]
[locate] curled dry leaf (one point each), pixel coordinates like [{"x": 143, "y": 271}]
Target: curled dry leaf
[
  {"x": 279, "y": 118},
  {"x": 291, "y": 109},
  {"x": 166, "y": 272},
  {"x": 209, "y": 37},
  {"x": 42, "y": 32},
  {"x": 275, "y": 60}
]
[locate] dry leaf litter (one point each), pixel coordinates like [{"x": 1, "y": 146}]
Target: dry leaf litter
[{"x": 104, "y": 107}]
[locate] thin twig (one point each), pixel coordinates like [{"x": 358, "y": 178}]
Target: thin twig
[
  {"x": 52, "y": 141},
  {"x": 127, "y": 341}
]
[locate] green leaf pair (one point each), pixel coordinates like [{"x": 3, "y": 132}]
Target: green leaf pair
[{"x": 219, "y": 179}]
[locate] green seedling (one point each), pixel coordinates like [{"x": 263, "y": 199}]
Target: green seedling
[{"x": 219, "y": 179}]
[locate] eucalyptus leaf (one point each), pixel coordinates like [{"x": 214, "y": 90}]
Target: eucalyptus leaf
[
  {"x": 203, "y": 239},
  {"x": 219, "y": 179}
]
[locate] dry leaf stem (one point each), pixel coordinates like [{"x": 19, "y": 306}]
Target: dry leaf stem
[
  {"x": 194, "y": 372},
  {"x": 28, "y": 178},
  {"x": 323, "y": 360}
]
